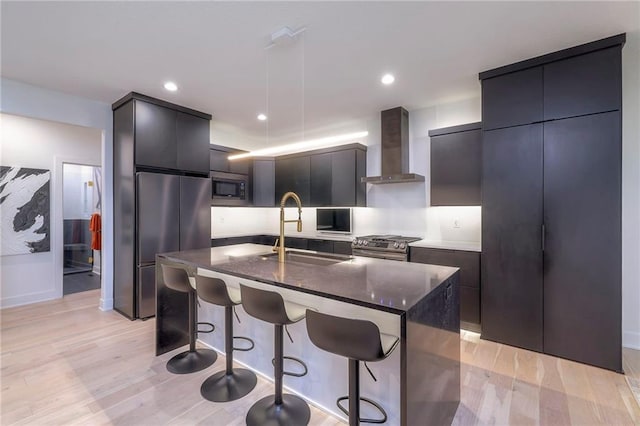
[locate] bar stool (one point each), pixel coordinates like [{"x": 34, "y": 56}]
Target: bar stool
[
  {"x": 194, "y": 359},
  {"x": 358, "y": 340},
  {"x": 232, "y": 383},
  {"x": 278, "y": 409}
]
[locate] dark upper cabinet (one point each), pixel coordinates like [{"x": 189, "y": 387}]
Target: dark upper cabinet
[
  {"x": 192, "y": 137},
  {"x": 584, "y": 84},
  {"x": 218, "y": 160},
  {"x": 333, "y": 176},
  {"x": 292, "y": 174},
  {"x": 456, "y": 165},
  {"x": 155, "y": 135},
  {"x": 512, "y": 236},
  {"x": 264, "y": 182},
  {"x": 321, "y": 179},
  {"x": 512, "y": 99}
]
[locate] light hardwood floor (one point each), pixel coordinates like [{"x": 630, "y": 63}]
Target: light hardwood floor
[{"x": 65, "y": 362}]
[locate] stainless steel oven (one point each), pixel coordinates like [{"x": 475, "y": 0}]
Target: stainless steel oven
[
  {"x": 393, "y": 247},
  {"x": 229, "y": 189}
]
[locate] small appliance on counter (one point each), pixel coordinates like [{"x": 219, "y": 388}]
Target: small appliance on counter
[
  {"x": 334, "y": 220},
  {"x": 393, "y": 247}
]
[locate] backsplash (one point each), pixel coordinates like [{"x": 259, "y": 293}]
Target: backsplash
[{"x": 449, "y": 224}]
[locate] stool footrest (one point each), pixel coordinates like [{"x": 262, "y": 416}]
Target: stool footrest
[
  {"x": 367, "y": 400},
  {"x": 244, "y": 349},
  {"x": 299, "y": 361},
  {"x": 208, "y": 324}
]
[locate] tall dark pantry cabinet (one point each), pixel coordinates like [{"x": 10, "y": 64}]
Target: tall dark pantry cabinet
[
  {"x": 162, "y": 194},
  {"x": 551, "y": 203}
]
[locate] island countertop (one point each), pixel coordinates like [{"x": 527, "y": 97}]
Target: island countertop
[{"x": 386, "y": 285}]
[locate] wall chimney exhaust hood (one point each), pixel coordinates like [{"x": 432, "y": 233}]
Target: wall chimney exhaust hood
[{"x": 395, "y": 149}]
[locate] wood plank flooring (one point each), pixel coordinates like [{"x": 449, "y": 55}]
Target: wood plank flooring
[{"x": 65, "y": 362}]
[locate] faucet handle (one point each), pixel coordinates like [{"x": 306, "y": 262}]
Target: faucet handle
[{"x": 275, "y": 245}]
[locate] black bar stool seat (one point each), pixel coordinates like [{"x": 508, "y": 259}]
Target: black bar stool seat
[
  {"x": 278, "y": 409},
  {"x": 194, "y": 359},
  {"x": 231, "y": 383},
  {"x": 357, "y": 340}
]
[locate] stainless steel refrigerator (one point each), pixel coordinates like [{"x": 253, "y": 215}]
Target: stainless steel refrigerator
[{"x": 171, "y": 213}]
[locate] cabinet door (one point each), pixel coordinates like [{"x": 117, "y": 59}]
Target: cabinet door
[
  {"x": 512, "y": 236},
  {"x": 342, "y": 247},
  {"x": 155, "y": 136},
  {"x": 512, "y": 99},
  {"x": 264, "y": 183},
  {"x": 583, "y": 84},
  {"x": 292, "y": 174},
  {"x": 218, "y": 160},
  {"x": 582, "y": 212},
  {"x": 320, "y": 180},
  {"x": 456, "y": 165},
  {"x": 469, "y": 304},
  {"x": 242, "y": 166},
  {"x": 192, "y": 143},
  {"x": 343, "y": 174},
  {"x": 296, "y": 243},
  {"x": 325, "y": 246},
  {"x": 467, "y": 261}
]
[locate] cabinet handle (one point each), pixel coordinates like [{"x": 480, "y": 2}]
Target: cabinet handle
[{"x": 543, "y": 236}]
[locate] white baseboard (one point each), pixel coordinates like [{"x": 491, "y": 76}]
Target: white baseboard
[
  {"x": 106, "y": 304},
  {"x": 26, "y": 299},
  {"x": 631, "y": 339}
]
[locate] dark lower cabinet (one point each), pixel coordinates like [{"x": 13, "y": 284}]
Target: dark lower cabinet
[
  {"x": 469, "y": 264},
  {"x": 512, "y": 236},
  {"x": 582, "y": 252},
  {"x": 296, "y": 243},
  {"x": 342, "y": 247},
  {"x": 325, "y": 246}
]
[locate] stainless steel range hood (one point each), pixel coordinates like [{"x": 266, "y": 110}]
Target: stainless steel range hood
[{"x": 395, "y": 149}]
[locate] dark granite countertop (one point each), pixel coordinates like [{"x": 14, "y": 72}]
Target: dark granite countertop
[{"x": 387, "y": 285}]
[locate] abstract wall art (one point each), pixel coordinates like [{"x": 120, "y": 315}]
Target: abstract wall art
[{"x": 24, "y": 210}]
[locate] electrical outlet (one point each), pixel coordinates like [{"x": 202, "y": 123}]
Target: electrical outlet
[
  {"x": 222, "y": 220},
  {"x": 456, "y": 223}
]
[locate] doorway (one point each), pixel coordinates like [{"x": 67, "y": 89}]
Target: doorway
[{"x": 82, "y": 230}]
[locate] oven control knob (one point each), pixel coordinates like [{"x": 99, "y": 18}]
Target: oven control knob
[
  {"x": 359, "y": 242},
  {"x": 365, "y": 242},
  {"x": 402, "y": 245},
  {"x": 396, "y": 245}
]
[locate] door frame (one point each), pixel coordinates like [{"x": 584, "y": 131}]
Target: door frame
[{"x": 57, "y": 237}]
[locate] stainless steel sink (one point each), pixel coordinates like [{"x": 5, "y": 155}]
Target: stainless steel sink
[{"x": 311, "y": 258}]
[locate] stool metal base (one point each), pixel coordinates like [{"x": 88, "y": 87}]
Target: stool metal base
[
  {"x": 192, "y": 361},
  {"x": 223, "y": 387},
  {"x": 293, "y": 411}
]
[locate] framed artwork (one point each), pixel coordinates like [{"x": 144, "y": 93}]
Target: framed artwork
[{"x": 24, "y": 210}]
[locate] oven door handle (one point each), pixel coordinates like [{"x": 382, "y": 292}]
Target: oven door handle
[{"x": 379, "y": 254}]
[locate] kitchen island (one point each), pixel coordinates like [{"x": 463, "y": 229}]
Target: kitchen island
[{"x": 418, "y": 384}]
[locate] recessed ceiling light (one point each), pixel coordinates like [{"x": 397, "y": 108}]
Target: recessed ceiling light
[
  {"x": 170, "y": 86},
  {"x": 262, "y": 117},
  {"x": 387, "y": 79}
]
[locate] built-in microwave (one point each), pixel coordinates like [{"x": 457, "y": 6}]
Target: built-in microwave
[{"x": 229, "y": 189}]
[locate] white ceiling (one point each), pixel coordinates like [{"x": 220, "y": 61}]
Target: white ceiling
[{"x": 215, "y": 52}]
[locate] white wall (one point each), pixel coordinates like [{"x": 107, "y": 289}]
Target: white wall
[
  {"x": 631, "y": 191},
  {"x": 29, "y": 142},
  {"x": 36, "y": 102}
]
